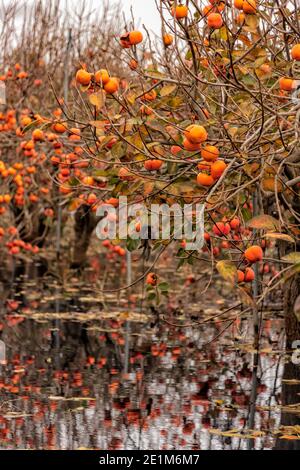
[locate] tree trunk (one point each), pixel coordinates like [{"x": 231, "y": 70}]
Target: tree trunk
[
  {"x": 290, "y": 393},
  {"x": 85, "y": 223}
]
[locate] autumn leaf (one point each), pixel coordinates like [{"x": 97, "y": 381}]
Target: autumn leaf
[
  {"x": 167, "y": 90},
  {"x": 227, "y": 270},
  {"x": 264, "y": 222},
  {"x": 293, "y": 258},
  {"x": 280, "y": 236},
  {"x": 98, "y": 99}
]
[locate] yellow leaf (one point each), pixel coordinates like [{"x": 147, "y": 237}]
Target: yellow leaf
[{"x": 98, "y": 99}]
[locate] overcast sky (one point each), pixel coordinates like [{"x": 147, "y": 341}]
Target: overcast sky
[{"x": 145, "y": 11}]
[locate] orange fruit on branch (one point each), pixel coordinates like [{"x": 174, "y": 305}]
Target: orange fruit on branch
[
  {"x": 190, "y": 146},
  {"x": 153, "y": 165},
  {"x": 218, "y": 168},
  {"x": 168, "y": 39},
  {"x": 195, "y": 134},
  {"x": 135, "y": 37},
  {"x": 151, "y": 279},
  {"x": 295, "y": 52},
  {"x": 83, "y": 77},
  {"x": 254, "y": 254},
  {"x": 179, "y": 11},
  {"x": 286, "y": 84},
  {"x": 102, "y": 76},
  {"x": 38, "y": 135},
  {"x": 204, "y": 179},
  {"x": 249, "y": 275},
  {"x": 214, "y": 20},
  {"x": 111, "y": 86},
  {"x": 210, "y": 153},
  {"x": 238, "y": 4},
  {"x": 249, "y": 6}
]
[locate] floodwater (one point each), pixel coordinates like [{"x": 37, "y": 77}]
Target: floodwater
[{"x": 66, "y": 384}]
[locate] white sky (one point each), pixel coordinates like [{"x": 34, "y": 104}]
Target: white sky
[{"x": 145, "y": 11}]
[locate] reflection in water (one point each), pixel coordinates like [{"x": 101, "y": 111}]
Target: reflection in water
[{"x": 64, "y": 386}]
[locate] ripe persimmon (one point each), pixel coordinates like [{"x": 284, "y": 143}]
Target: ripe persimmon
[
  {"x": 167, "y": 39},
  {"x": 240, "y": 276},
  {"x": 221, "y": 229},
  {"x": 111, "y": 86},
  {"x": 235, "y": 223},
  {"x": 295, "y": 52},
  {"x": 218, "y": 168},
  {"x": 179, "y": 11},
  {"x": 210, "y": 153},
  {"x": 153, "y": 165},
  {"x": 249, "y": 6},
  {"x": 151, "y": 279},
  {"x": 214, "y": 20},
  {"x": 254, "y": 254},
  {"x": 135, "y": 37},
  {"x": 38, "y": 135},
  {"x": 249, "y": 275},
  {"x": 204, "y": 179},
  {"x": 83, "y": 77},
  {"x": 286, "y": 84},
  {"x": 59, "y": 127},
  {"x": 238, "y": 4},
  {"x": 190, "y": 146},
  {"x": 133, "y": 64},
  {"x": 102, "y": 76},
  {"x": 195, "y": 134}
]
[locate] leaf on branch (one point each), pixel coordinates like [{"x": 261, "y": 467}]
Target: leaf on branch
[
  {"x": 227, "y": 270},
  {"x": 293, "y": 258},
  {"x": 98, "y": 99},
  {"x": 167, "y": 90},
  {"x": 264, "y": 222},
  {"x": 280, "y": 236}
]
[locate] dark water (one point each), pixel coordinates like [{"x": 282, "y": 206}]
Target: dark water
[{"x": 63, "y": 385}]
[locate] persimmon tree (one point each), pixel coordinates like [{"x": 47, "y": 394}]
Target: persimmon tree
[{"x": 208, "y": 113}]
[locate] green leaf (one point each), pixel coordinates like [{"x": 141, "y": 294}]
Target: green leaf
[
  {"x": 163, "y": 286},
  {"x": 264, "y": 222},
  {"x": 227, "y": 270}
]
